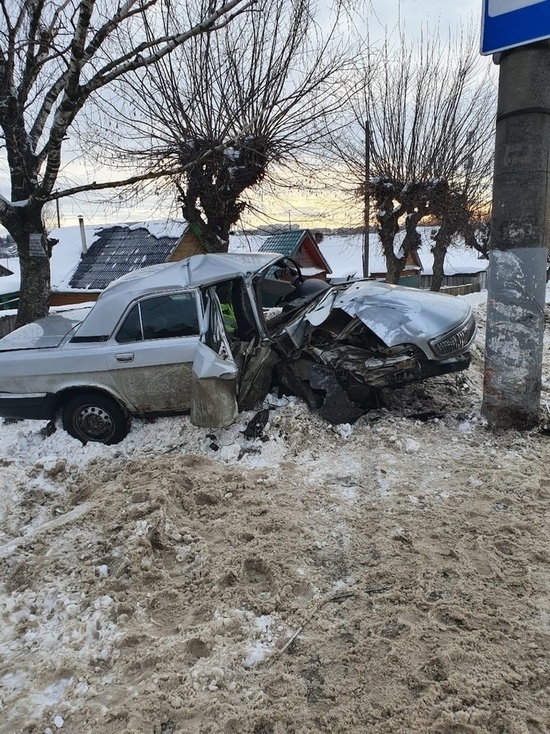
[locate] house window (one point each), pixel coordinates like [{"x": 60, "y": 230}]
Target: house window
[{"x": 162, "y": 317}]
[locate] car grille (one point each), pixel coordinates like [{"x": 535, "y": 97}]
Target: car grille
[{"x": 456, "y": 341}]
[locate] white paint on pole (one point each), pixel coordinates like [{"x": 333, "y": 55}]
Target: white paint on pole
[
  {"x": 515, "y": 315},
  {"x": 500, "y": 7}
]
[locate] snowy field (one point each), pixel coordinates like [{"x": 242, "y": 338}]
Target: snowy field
[{"x": 389, "y": 577}]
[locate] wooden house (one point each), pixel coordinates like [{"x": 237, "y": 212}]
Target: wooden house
[
  {"x": 301, "y": 245},
  {"x": 120, "y": 249},
  {"x": 410, "y": 275}
]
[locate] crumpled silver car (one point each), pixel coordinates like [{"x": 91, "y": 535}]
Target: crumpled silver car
[{"x": 159, "y": 341}]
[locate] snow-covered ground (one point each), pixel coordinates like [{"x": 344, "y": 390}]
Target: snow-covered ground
[{"x": 391, "y": 576}]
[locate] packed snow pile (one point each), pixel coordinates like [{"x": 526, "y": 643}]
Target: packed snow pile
[{"x": 390, "y": 576}]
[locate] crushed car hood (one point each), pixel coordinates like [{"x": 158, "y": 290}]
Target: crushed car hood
[
  {"x": 394, "y": 313},
  {"x": 47, "y": 332}
]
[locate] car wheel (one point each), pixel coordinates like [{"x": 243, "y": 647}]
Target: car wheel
[{"x": 94, "y": 417}]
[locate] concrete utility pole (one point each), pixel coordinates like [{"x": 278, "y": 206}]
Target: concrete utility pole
[
  {"x": 519, "y": 240},
  {"x": 366, "y": 213}
]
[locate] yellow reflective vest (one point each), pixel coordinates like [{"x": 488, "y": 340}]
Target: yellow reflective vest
[{"x": 229, "y": 319}]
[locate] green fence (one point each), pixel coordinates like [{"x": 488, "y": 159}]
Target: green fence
[{"x": 9, "y": 300}]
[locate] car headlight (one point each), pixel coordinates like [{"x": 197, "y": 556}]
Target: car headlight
[{"x": 455, "y": 341}]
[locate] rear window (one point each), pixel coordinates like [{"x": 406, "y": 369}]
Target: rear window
[{"x": 47, "y": 332}]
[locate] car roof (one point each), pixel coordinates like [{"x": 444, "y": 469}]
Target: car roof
[{"x": 198, "y": 270}]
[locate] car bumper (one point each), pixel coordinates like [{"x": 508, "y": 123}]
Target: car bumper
[
  {"x": 431, "y": 368},
  {"x": 27, "y": 405}
]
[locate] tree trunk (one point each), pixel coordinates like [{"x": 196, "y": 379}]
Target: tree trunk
[
  {"x": 211, "y": 240},
  {"x": 395, "y": 267},
  {"x": 438, "y": 268},
  {"x": 388, "y": 227},
  {"x": 411, "y": 241},
  {"x": 26, "y": 226},
  {"x": 442, "y": 241}
]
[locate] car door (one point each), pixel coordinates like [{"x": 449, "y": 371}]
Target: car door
[
  {"x": 150, "y": 356},
  {"x": 214, "y": 376}
]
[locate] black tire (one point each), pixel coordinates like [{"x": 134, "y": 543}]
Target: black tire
[{"x": 91, "y": 416}]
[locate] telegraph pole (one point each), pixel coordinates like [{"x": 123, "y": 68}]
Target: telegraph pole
[
  {"x": 366, "y": 213},
  {"x": 519, "y": 239}
]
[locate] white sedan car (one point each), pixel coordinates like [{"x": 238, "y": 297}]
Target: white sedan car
[{"x": 159, "y": 341}]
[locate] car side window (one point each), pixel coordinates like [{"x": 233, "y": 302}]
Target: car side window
[
  {"x": 161, "y": 317},
  {"x": 130, "y": 331}
]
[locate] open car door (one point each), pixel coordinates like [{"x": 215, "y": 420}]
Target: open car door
[{"x": 214, "y": 375}]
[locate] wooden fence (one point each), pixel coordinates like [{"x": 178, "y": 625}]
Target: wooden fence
[
  {"x": 7, "y": 324},
  {"x": 461, "y": 290}
]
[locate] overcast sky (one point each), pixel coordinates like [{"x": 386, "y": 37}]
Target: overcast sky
[
  {"x": 415, "y": 15},
  {"x": 415, "y": 12}
]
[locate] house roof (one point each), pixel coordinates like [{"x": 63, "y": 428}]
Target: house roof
[
  {"x": 119, "y": 250},
  {"x": 287, "y": 244}
]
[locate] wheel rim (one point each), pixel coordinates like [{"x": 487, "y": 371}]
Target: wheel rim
[{"x": 95, "y": 423}]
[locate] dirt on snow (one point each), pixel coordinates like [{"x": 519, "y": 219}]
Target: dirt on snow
[{"x": 393, "y": 576}]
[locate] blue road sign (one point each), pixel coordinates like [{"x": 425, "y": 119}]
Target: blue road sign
[{"x": 510, "y": 23}]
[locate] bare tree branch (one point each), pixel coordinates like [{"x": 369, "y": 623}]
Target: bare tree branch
[
  {"x": 54, "y": 56},
  {"x": 130, "y": 181},
  {"x": 259, "y": 94},
  {"x": 431, "y": 111}
]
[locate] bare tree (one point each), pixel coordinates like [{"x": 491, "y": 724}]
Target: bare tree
[
  {"x": 459, "y": 214},
  {"x": 477, "y": 234},
  {"x": 55, "y": 55},
  {"x": 431, "y": 110},
  {"x": 227, "y": 107}
]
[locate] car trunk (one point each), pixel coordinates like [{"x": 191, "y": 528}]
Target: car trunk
[{"x": 45, "y": 333}]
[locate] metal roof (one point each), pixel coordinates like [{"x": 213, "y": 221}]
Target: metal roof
[
  {"x": 285, "y": 243},
  {"x": 117, "y": 251},
  {"x": 288, "y": 244}
]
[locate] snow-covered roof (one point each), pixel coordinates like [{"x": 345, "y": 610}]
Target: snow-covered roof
[
  {"x": 66, "y": 254},
  {"x": 310, "y": 272},
  {"x": 10, "y": 283},
  {"x": 69, "y": 250},
  {"x": 120, "y": 250}
]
